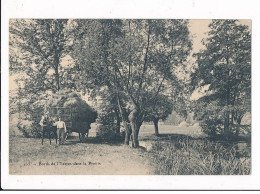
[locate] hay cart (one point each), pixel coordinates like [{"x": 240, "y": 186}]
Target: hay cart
[{"x": 71, "y": 117}]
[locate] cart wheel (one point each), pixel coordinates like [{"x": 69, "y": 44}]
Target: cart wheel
[{"x": 82, "y": 137}]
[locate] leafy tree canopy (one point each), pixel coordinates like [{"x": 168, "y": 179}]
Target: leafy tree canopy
[{"x": 225, "y": 67}]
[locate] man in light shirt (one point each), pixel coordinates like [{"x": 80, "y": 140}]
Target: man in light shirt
[{"x": 61, "y": 130}]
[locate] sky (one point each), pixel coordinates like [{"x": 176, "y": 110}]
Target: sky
[{"x": 198, "y": 28}]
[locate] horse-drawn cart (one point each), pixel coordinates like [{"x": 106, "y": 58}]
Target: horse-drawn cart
[{"x": 71, "y": 118}]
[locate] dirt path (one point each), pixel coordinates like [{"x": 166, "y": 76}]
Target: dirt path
[{"x": 28, "y": 156}]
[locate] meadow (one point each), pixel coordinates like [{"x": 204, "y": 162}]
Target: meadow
[{"x": 176, "y": 151}]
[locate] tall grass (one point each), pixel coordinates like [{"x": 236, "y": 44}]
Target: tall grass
[{"x": 185, "y": 156}]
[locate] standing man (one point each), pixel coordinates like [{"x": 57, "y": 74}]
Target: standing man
[{"x": 61, "y": 130}]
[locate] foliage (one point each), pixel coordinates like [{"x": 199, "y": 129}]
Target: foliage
[
  {"x": 132, "y": 58},
  {"x": 199, "y": 157},
  {"x": 24, "y": 129},
  {"x": 106, "y": 105},
  {"x": 173, "y": 119},
  {"x": 108, "y": 132},
  {"x": 37, "y": 48},
  {"x": 224, "y": 66},
  {"x": 159, "y": 108}
]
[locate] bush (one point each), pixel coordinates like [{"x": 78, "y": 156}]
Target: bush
[
  {"x": 199, "y": 157},
  {"x": 24, "y": 130},
  {"x": 25, "y": 127},
  {"x": 30, "y": 129},
  {"x": 108, "y": 132},
  {"x": 212, "y": 126}
]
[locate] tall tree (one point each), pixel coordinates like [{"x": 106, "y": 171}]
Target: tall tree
[
  {"x": 37, "y": 47},
  {"x": 37, "y": 50},
  {"x": 132, "y": 58},
  {"x": 224, "y": 66},
  {"x": 160, "y": 108}
]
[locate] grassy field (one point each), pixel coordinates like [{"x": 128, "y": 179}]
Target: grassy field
[{"x": 178, "y": 150}]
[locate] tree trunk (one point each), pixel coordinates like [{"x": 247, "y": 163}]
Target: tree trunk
[
  {"x": 227, "y": 124},
  {"x": 155, "y": 122},
  {"x": 135, "y": 132},
  {"x": 227, "y": 117},
  {"x": 128, "y": 130},
  {"x": 237, "y": 130},
  {"x": 56, "y": 68},
  {"x": 117, "y": 122},
  {"x": 127, "y": 134},
  {"x": 57, "y": 78},
  {"x": 239, "y": 119},
  {"x": 135, "y": 123}
]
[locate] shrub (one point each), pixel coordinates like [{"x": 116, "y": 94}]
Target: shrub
[
  {"x": 24, "y": 130},
  {"x": 25, "y": 127},
  {"x": 212, "y": 126},
  {"x": 108, "y": 132},
  {"x": 29, "y": 129}
]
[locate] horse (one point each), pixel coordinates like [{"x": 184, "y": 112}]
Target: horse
[{"x": 47, "y": 127}]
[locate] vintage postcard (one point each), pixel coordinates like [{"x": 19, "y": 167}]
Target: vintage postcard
[{"x": 129, "y": 96}]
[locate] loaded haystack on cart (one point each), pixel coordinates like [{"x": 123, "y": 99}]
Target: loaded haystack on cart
[{"x": 74, "y": 111}]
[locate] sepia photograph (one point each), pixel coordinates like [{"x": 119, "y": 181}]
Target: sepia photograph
[{"x": 129, "y": 97}]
